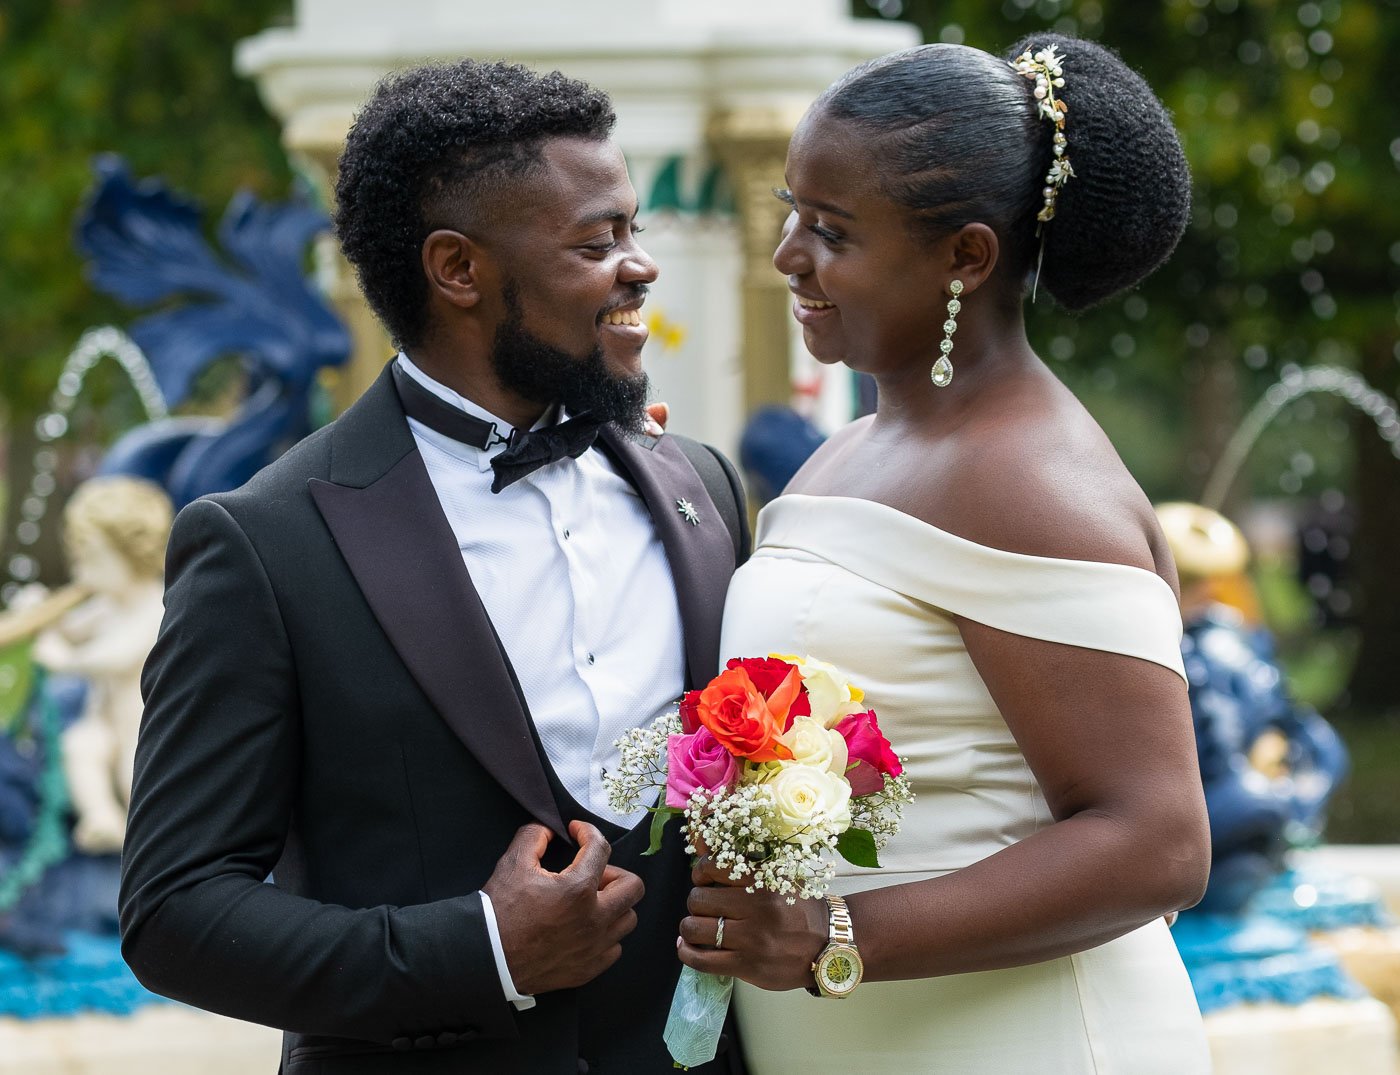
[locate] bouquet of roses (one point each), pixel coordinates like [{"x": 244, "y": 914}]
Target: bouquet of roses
[{"x": 777, "y": 767}]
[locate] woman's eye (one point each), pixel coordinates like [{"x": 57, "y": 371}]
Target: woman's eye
[{"x": 825, "y": 235}]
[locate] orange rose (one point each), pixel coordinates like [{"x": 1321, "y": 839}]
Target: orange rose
[{"x": 745, "y": 723}]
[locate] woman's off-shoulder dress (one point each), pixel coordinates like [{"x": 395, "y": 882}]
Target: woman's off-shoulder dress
[{"x": 874, "y": 591}]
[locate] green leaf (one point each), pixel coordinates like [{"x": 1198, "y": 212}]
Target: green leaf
[
  {"x": 857, "y": 846},
  {"x": 659, "y": 816}
]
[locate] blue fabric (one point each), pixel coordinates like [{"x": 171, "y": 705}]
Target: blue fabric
[
  {"x": 1318, "y": 902},
  {"x": 1253, "y": 959},
  {"x": 89, "y": 977}
]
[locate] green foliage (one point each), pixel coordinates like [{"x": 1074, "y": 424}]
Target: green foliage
[
  {"x": 150, "y": 79},
  {"x": 1366, "y": 810},
  {"x": 857, "y": 846},
  {"x": 660, "y": 815},
  {"x": 16, "y": 685}
]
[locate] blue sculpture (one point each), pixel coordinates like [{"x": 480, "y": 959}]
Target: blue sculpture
[
  {"x": 145, "y": 247},
  {"x": 1238, "y": 698},
  {"x": 57, "y": 908}
]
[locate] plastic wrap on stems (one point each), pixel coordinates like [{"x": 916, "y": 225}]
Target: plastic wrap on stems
[{"x": 697, "y": 1017}]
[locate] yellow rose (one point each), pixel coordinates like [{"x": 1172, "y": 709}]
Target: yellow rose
[
  {"x": 813, "y": 744},
  {"x": 803, "y": 795},
  {"x": 831, "y": 696}
]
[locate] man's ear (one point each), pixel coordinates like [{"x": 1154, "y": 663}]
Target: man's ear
[{"x": 453, "y": 264}]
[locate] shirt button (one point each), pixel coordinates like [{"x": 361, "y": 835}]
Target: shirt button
[
  {"x": 566, "y": 533},
  {"x": 590, "y": 658}
]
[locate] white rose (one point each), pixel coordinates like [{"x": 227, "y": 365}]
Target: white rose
[
  {"x": 805, "y": 797},
  {"x": 831, "y": 696},
  {"x": 813, "y": 744}
]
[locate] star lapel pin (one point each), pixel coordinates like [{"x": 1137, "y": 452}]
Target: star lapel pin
[{"x": 688, "y": 512}]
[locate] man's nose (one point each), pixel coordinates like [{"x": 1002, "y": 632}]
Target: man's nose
[{"x": 638, "y": 268}]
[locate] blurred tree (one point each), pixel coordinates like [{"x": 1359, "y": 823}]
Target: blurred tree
[
  {"x": 152, "y": 80},
  {"x": 1292, "y": 258}
]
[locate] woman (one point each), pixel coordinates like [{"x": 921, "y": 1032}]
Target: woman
[{"x": 978, "y": 559}]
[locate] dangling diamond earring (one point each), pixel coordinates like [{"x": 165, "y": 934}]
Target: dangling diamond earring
[{"x": 942, "y": 372}]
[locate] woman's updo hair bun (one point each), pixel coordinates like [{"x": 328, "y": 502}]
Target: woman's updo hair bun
[
  {"x": 1123, "y": 212},
  {"x": 959, "y": 141}
]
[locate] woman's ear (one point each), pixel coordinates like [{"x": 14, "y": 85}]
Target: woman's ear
[
  {"x": 972, "y": 255},
  {"x": 452, "y": 264}
]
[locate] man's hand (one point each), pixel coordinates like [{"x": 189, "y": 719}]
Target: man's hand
[{"x": 560, "y": 930}]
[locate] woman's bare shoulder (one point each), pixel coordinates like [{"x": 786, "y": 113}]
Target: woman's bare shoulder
[{"x": 1049, "y": 484}]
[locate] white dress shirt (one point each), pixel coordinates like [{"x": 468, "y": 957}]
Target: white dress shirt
[{"x": 575, "y": 580}]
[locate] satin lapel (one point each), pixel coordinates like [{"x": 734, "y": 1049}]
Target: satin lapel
[
  {"x": 701, "y": 554},
  {"x": 405, "y": 559}
]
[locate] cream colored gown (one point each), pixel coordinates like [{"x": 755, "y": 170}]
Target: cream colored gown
[{"x": 872, "y": 590}]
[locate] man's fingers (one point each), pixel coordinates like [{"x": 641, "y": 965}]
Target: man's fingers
[
  {"x": 529, "y": 843},
  {"x": 621, "y": 894},
  {"x": 622, "y": 927},
  {"x": 612, "y": 873},
  {"x": 593, "y": 851}
]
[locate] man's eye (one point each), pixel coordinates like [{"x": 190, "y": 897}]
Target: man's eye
[{"x": 826, "y": 236}]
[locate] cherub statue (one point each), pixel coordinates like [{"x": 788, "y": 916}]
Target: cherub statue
[{"x": 116, "y": 530}]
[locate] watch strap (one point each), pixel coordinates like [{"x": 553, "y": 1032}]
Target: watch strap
[{"x": 839, "y": 929}]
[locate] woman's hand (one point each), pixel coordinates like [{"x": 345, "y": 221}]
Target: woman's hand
[{"x": 767, "y": 941}]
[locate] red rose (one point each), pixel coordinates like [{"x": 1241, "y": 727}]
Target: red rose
[
  {"x": 690, "y": 723},
  {"x": 768, "y": 674}
]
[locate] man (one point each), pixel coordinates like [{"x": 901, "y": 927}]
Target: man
[{"x": 393, "y": 664}]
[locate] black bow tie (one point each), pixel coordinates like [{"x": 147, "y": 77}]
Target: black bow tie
[{"x": 525, "y": 451}]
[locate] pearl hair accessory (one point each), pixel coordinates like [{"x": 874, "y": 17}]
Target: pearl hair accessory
[{"x": 1045, "y": 69}]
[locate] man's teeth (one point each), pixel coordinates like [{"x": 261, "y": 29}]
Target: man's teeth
[
  {"x": 814, "y": 304},
  {"x": 623, "y": 317}
]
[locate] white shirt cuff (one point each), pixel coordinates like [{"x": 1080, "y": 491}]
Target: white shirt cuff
[{"x": 520, "y": 1000}]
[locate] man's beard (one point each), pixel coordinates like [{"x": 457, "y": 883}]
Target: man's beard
[{"x": 547, "y": 375}]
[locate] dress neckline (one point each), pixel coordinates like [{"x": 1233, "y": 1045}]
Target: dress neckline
[{"x": 856, "y": 503}]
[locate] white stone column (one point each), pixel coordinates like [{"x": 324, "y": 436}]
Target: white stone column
[{"x": 675, "y": 69}]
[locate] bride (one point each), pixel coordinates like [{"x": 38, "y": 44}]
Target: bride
[{"x": 977, "y": 558}]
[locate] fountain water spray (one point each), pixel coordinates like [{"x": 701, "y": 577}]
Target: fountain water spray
[
  {"x": 93, "y": 346},
  {"x": 1294, "y": 384}
]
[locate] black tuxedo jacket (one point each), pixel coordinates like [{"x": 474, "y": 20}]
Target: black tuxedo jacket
[{"x": 327, "y": 702}]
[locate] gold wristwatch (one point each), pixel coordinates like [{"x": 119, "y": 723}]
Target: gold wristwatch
[{"x": 838, "y": 968}]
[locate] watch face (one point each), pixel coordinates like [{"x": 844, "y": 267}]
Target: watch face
[{"x": 839, "y": 970}]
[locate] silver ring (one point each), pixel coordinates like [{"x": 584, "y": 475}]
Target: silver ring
[{"x": 719, "y": 932}]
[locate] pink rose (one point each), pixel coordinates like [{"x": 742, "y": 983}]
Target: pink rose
[
  {"x": 697, "y": 761},
  {"x": 870, "y": 753}
]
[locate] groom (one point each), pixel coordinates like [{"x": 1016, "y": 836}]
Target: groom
[{"x": 393, "y": 664}]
